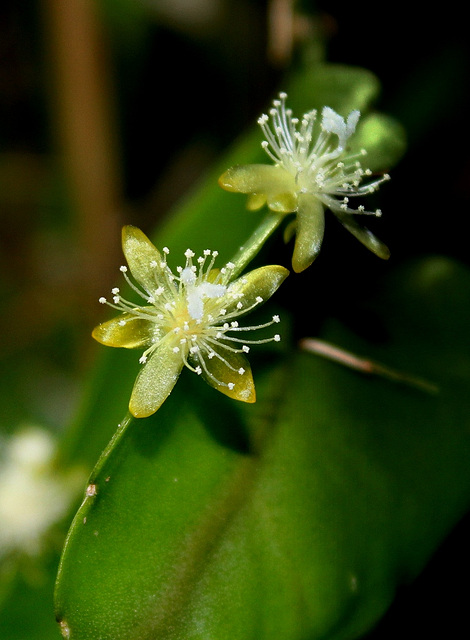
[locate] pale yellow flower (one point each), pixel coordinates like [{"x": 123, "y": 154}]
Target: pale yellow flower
[
  {"x": 188, "y": 319},
  {"x": 312, "y": 170}
]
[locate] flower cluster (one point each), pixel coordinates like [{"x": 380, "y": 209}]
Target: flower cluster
[
  {"x": 191, "y": 318},
  {"x": 187, "y": 319},
  {"x": 312, "y": 170}
]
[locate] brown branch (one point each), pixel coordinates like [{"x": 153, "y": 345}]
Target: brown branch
[{"x": 83, "y": 122}]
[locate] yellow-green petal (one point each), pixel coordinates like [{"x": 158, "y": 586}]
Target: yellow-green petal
[
  {"x": 273, "y": 182},
  {"x": 126, "y": 331},
  {"x": 255, "y": 201},
  {"x": 282, "y": 202},
  {"x": 364, "y": 235},
  {"x": 310, "y": 228},
  {"x": 155, "y": 381},
  {"x": 241, "y": 379},
  {"x": 143, "y": 259},
  {"x": 261, "y": 282}
]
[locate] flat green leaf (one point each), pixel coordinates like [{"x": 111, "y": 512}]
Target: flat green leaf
[{"x": 293, "y": 518}]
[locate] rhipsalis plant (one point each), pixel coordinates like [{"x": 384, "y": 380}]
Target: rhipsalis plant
[
  {"x": 312, "y": 170},
  {"x": 190, "y": 319},
  {"x": 208, "y": 519}
]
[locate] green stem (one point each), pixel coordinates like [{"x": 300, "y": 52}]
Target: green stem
[
  {"x": 122, "y": 427},
  {"x": 248, "y": 251}
]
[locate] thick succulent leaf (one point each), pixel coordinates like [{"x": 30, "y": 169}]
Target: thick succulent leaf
[
  {"x": 155, "y": 381},
  {"x": 310, "y": 228},
  {"x": 126, "y": 330},
  {"x": 296, "y": 517}
]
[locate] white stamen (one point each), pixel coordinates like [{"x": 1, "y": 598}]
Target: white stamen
[
  {"x": 187, "y": 311},
  {"x": 315, "y": 154}
]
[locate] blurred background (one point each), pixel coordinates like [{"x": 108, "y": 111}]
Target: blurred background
[{"x": 111, "y": 110}]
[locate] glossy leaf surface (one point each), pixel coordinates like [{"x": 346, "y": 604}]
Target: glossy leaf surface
[
  {"x": 294, "y": 518},
  {"x": 212, "y": 520}
]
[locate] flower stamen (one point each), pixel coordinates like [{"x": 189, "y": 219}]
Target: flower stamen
[{"x": 190, "y": 314}]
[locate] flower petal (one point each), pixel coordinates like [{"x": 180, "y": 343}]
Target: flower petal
[
  {"x": 217, "y": 371},
  {"x": 309, "y": 231},
  {"x": 143, "y": 258},
  {"x": 363, "y": 235},
  {"x": 255, "y": 201},
  {"x": 273, "y": 182},
  {"x": 155, "y": 381},
  {"x": 126, "y": 331},
  {"x": 282, "y": 202},
  {"x": 259, "y": 283}
]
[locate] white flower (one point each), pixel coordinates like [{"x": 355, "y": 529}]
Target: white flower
[
  {"x": 33, "y": 495},
  {"x": 189, "y": 319},
  {"x": 312, "y": 170}
]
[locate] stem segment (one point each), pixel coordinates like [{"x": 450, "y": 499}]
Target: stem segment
[{"x": 248, "y": 251}]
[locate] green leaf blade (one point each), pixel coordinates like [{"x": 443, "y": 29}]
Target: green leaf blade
[{"x": 296, "y": 517}]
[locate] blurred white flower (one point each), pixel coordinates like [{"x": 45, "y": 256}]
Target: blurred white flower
[{"x": 33, "y": 495}]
